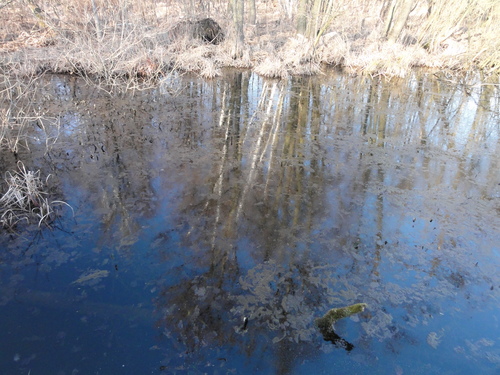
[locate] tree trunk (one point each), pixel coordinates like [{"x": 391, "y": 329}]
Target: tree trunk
[
  {"x": 239, "y": 22},
  {"x": 396, "y": 18},
  {"x": 252, "y": 14},
  {"x": 95, "y": 14},
  {"x": 314, "y": 22},
  {"x": 302, "y": 17}
]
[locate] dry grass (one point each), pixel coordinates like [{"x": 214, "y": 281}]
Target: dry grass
[
  {"x": 123, "y": 44},
  {"x": 18, "y": 113},
  {"x": 296, "y": 57},
  {"x": 387, "y": 59},
  {"x": 27, "y": 199},
  {"x": 198, "y": 59},
  {"x": 464, "y": 34}
]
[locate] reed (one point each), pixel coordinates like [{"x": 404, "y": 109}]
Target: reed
[{"x": 27, "y": 199}]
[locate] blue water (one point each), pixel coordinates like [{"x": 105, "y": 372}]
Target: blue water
[{"x": 188, "y": 217}]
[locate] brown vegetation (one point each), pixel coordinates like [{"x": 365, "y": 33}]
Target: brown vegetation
[
  {"x": 27, "y": 199},
  {"x": 119, "y": 39}
]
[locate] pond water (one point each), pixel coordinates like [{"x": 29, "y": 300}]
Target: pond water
[{"x": 198, "y": 204}]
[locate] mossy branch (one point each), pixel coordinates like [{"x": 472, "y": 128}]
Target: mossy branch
[{"x": 326, "y": 322}]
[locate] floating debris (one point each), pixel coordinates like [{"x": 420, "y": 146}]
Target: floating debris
[{"x": 92, "y": 275}]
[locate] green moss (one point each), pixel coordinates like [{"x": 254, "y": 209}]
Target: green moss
[{"x": 326, "y": 322}]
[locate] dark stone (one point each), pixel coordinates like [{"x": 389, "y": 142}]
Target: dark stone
[
  {"x": 208, "y": 30},
  {"x": 205, "y": 29}
]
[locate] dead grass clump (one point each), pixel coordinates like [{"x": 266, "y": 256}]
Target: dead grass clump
[
  {"x": 299, "y": 56},
  {"x": 296, "y": 57},
  {"x": 387, "y": 59},
  {"x": 333, "y": 49},
  {"x": 224, "y": 56},
  {"x": 27, "y": 199},
  {"x": 199, "y": 60},
  {"x": 272, "y": 67}
]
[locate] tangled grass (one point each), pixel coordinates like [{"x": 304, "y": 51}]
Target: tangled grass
[{"x": 27, "y": 199}]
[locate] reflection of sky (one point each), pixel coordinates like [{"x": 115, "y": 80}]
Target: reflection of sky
[{"x": 71, "y": 122}]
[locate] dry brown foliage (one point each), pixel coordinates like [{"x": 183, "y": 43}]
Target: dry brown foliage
[{"x": 119, "y": 41}]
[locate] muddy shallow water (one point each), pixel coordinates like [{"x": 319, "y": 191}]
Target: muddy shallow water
[{"x": 200, "y": 203}]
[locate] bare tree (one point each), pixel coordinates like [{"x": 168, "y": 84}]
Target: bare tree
[
  {"x": 239, "y": 23},
  {"x": 314, "y": 17},
  {"x": 252, "y": 13},
  {"x": 302, "y": 16},
  {"x": 396, "y": 18}
]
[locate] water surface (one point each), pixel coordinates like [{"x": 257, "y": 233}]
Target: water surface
[{"x": 199, "y": 203}]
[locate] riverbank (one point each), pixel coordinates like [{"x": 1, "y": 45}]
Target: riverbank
[{"x": 114, "y": 40}]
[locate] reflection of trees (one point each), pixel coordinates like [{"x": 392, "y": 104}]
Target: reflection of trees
[
  {"x": 414, "y": 176},
  {"x": 266, "y": 187},
  {"x": 377, "y": 149},
  {"x": 280, "y": 166},
  {"x": 106, "y": 145}
]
